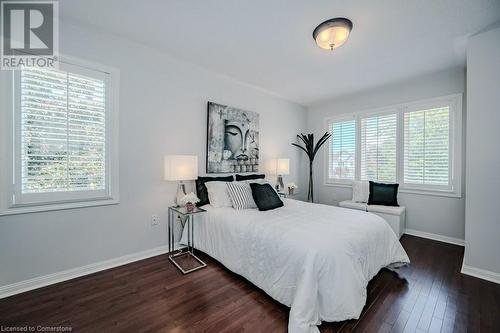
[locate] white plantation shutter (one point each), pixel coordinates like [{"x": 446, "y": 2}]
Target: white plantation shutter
[
  {"x": 418, "y": 145},
  {"x": 378, "y": 147},
  {"x": 44, "y": 128},
  {"x": 62, "y": 131},
  {"x": 427, "y": 146},
  {"x": 342, "y": 150},
  {"x": 86, "y": 133}
]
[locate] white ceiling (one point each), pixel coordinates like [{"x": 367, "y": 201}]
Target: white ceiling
[{"x": 268, "y": 43}]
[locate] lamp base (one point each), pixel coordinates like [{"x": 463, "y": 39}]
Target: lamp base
[
  {"x": 181, "y": 192},
  {"x": 280, "y": 186}
]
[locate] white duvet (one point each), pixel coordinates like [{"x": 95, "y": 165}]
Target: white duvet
[{"x": 316, "y": 259}]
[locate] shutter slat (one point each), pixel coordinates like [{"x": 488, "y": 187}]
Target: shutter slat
[
  {"x": 87, "y": 106},
  {"x": 35, "y": 109}
]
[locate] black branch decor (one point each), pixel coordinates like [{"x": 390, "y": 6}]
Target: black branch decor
[{"x": 310, "y": 149}]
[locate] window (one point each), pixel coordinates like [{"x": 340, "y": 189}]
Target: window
[
  {"x": 378, "y": 148},
  {"x": 417, "y": 145},
  {"x": 342, "y": 150},
  {"x": 427, "y": 147},
  {"x": 63, "y": 132},
  {"x": 64, "y": 123}
]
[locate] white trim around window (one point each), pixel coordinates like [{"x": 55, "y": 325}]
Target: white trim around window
[
  {"x": 453, "y": 188},
  {"x": 14, "y": 200}
]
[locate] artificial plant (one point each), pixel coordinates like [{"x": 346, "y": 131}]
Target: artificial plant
[{"x": 310, "y": 149}]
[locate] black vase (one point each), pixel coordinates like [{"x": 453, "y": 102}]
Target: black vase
[{"x": 310, "y": 193}]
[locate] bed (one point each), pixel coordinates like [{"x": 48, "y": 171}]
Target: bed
[{"x": 314, "y": 258}]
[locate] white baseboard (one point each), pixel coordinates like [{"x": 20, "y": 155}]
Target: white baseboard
[
  {"x": 467, "y": 270},
  {"x": 45, "y": 280},
  {"x": 445, "y": 239},
  {"x": 481, "y": 273}
]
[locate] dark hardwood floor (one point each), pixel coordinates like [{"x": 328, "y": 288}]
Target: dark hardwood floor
[{"x": 152, "y": 296}]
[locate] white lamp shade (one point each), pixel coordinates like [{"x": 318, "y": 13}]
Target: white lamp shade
[
  {"x": 283, "y": 166},
  {"x": 181, "y": 167}
]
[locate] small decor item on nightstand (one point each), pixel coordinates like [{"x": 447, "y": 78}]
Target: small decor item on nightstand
[
  {"x": 190, "y": 207},
  {"x": 291, "y": 188},
  {"x": 189, "y": 200}
]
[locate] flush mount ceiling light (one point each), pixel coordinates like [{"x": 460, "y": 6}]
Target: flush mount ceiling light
[{"x": 332, "y": 33}]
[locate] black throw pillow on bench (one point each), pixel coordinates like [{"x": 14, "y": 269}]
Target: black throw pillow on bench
[
  {"x": 201, "y": 189},
  {"x": 250, "y": 177},
  {"x": 265, "y": 196},
  {"x": 383, "y": 194}
]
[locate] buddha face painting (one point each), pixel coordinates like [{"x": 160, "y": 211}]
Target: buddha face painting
[
  {"x": 239, "y": 140},
  {"x": 233, "y": 139}
]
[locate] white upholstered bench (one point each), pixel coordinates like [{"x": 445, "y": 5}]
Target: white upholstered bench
[{"x": 395, "y": 216}]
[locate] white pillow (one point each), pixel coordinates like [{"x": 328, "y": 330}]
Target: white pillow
[
  {"x": 218, "y": 195},
  {"x": 360, "y": 191},
  {"x": 241, "y": 195}
]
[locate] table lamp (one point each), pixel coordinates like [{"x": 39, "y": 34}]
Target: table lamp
[
  {"x": 180, "y": 168},
  {"x": 282, "y": 168}
]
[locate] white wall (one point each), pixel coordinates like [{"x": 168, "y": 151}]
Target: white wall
[
  {"x": 482, "y": 212},
  {"x": 432, "y": 214},
  {"x": 163, "y": 104}
]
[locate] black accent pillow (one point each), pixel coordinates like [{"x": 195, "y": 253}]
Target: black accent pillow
[
  {"x": 250, "y": 177},
  {"x": 265, "y": 196},
  {"x": 201, "y": 189},
  {"x": 383, "y": 194}
]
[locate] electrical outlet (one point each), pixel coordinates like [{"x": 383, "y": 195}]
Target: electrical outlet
[{"x": 155, "y": 220}]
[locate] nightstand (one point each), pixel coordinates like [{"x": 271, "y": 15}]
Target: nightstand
[
  {"x": 187, "y": 219},
  {"x": 294, "y": 196}
]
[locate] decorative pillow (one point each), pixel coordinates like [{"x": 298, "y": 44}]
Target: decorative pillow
[
  {"x": 248, "y": 177},
  {"x": 265, "y": 196},
  {"x": 258, "y": 181},
  {"x": 261, "y": 181},
  {"x": 383, "y": 194},
  {"x": 201, "y": 189},
  {"x": 241, "y": 195},
  {"x": 360, "y": 191},
  {"x": 218, "y": 195}
]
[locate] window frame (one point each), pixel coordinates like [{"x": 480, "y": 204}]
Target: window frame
[
  {"x": 14, "y": 202},
  {"x": 454, "y": 102}
]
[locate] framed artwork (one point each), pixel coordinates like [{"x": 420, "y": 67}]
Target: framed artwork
[{"x": 232, "y": 140}]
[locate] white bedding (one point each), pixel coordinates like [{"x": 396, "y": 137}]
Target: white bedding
[{"x": 317, "y": 259}]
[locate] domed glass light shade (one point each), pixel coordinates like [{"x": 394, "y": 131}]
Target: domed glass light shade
[{"x": 332, "y": 33}]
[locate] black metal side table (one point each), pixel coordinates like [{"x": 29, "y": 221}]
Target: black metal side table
[{"x": 186, "y": 217}]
